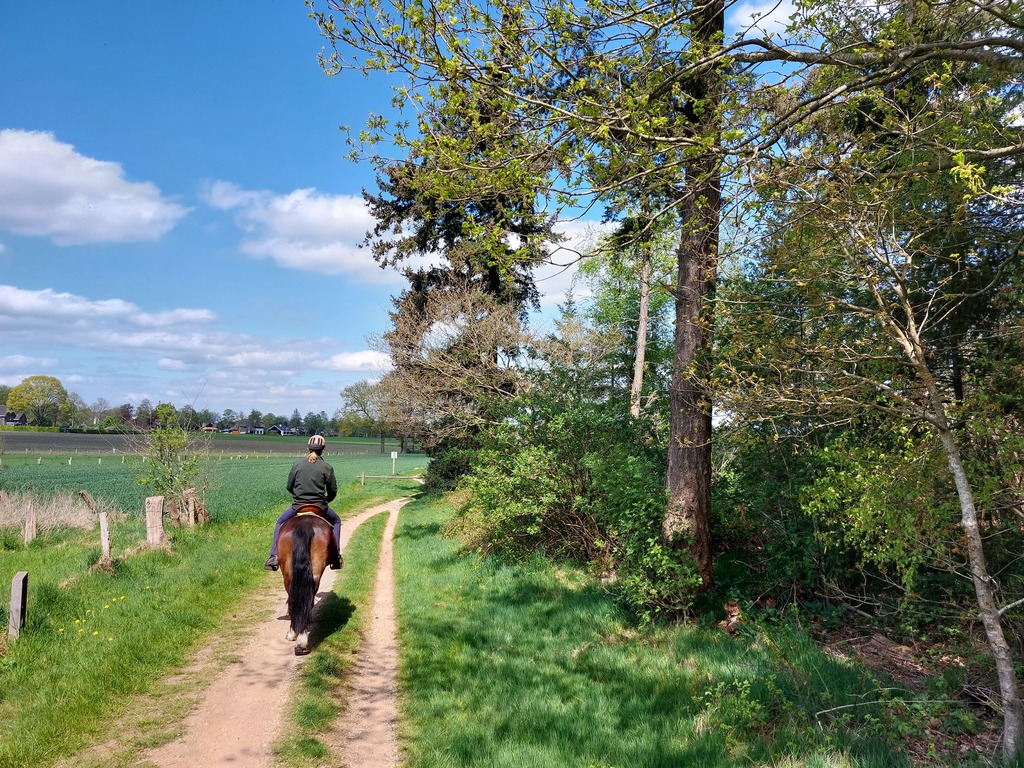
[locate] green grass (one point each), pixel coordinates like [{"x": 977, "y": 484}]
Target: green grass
[
  {"x": 237, "y": 488},
  {"x": 533, "y": 666},
  {"x": 525, "y": 665}
]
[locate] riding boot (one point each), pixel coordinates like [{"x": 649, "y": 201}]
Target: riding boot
[{"x": 336, "y": 561}]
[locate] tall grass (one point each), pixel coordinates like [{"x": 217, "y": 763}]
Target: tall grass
[{"x": 533, "y": 666}]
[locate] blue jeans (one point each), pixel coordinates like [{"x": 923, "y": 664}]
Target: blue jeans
[{"x": 289, "y": 513}]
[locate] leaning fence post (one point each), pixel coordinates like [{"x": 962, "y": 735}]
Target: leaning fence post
[
  {"x": 155, "y": 520},
  {"x": 19, "y": 602}
]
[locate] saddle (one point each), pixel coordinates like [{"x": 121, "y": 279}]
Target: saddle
[
  {"x": 311, "y": 509},
  {"x": 314, "y": 509}
]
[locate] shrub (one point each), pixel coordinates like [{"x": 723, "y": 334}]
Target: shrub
[{"x": 574, "y": 478}]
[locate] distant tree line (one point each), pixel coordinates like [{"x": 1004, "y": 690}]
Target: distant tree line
[{"x": 46, "y": 403}]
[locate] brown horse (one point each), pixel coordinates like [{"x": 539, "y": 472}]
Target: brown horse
[{"x": 303, "y": 551}]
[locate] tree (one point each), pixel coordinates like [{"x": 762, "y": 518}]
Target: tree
[
  {"x": 204, "y": 417},
  {"x": 4, "y": 391},
  {"x": 173, "y": 464},
  {"x": 893, "y": 264},
  {"x": 228, "y": 419},
  {"x": 627, "y": 277},
  {"x": 75, "y": 412},
  {"x": 144, "y": 415},
  {"x": 315, "y": 423},
  {"x": 99, "y": 409},
  {"x": 295, "y": 420},
  {"x": 41, "y": 398},
  {"x": 255, "y": 418},
  {"x": 364, "y": 405},
  {"x": 454, "y": 353}
]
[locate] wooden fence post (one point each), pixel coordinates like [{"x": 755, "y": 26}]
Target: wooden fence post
[
  {"x": 104, "y": 528},
  {"x": 155, "y": 520},
  {"x": 30, "y": 523},
  {"x": 19, "y": 603}
]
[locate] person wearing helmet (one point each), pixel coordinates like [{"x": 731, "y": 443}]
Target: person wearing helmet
[{"x": 311, "y": 481}]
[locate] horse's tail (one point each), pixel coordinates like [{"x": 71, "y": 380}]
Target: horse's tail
[{"x": 303, "y": 587}]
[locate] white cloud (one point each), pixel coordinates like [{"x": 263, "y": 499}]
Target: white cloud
[
  {"x": 555, "y": 278},
  {"x": 304, "y": 229},
  {"x": 24, "y": 363},
  {"x": 47, "y": 189},
  {"x": 367, "y": 360},
  {"x": 167, "y": 364},
  {"x": 19, "y": 307},
  {"x": 112, "y": 340}
]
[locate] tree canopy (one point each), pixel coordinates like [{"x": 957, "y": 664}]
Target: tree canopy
[{"x": 42, "y": 398}]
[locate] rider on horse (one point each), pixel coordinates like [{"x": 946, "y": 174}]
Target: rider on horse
[{"x": 311, "y": 482}]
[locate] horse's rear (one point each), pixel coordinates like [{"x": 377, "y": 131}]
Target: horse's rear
[{"x": 302, "y": 551}]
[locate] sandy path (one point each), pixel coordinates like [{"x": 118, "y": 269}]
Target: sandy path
[
  {"x": 241, "y": 712},
  {"x": 369, "y": 728}
]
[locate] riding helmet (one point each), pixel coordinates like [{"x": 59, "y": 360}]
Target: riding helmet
[{"x": 317, "y": 443}]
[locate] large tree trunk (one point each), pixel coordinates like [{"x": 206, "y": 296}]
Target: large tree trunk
[{"x": 687, "y": 526}]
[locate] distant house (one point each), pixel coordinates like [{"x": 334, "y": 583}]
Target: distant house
[
  {"x": 255, "y": 430},
  {"x": 281, "y": 429},
  {"x": 208, "y": 428},
  {"x": 10, "y": 418}
]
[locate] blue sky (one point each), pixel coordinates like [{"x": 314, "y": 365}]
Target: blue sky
[{"x": 177, "y": 218}]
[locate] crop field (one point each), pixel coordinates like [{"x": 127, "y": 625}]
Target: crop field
[{"x": 234, "y": 487}]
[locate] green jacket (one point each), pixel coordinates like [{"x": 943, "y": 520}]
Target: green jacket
[{"x": 312, "y": 483}]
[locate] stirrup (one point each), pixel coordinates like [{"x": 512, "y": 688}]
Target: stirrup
[{"x": 271, "y": 564}]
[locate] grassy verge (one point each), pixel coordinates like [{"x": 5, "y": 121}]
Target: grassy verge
[
  {"x": 319, "y": 698},
  {"x": 533, "y": 666}
]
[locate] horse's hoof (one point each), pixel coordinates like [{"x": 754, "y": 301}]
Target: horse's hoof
[{"x": 301, "y": 650}]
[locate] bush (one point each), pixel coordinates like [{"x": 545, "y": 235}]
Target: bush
[
  {"x": 575, "y": 478},
  {"x": 447, "y": 468}
]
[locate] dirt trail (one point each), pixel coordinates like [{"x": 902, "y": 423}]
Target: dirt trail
[{"x": 242, "y": 712}]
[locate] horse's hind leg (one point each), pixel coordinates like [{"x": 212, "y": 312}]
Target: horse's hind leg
[{"x": 302, "y": 646}]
